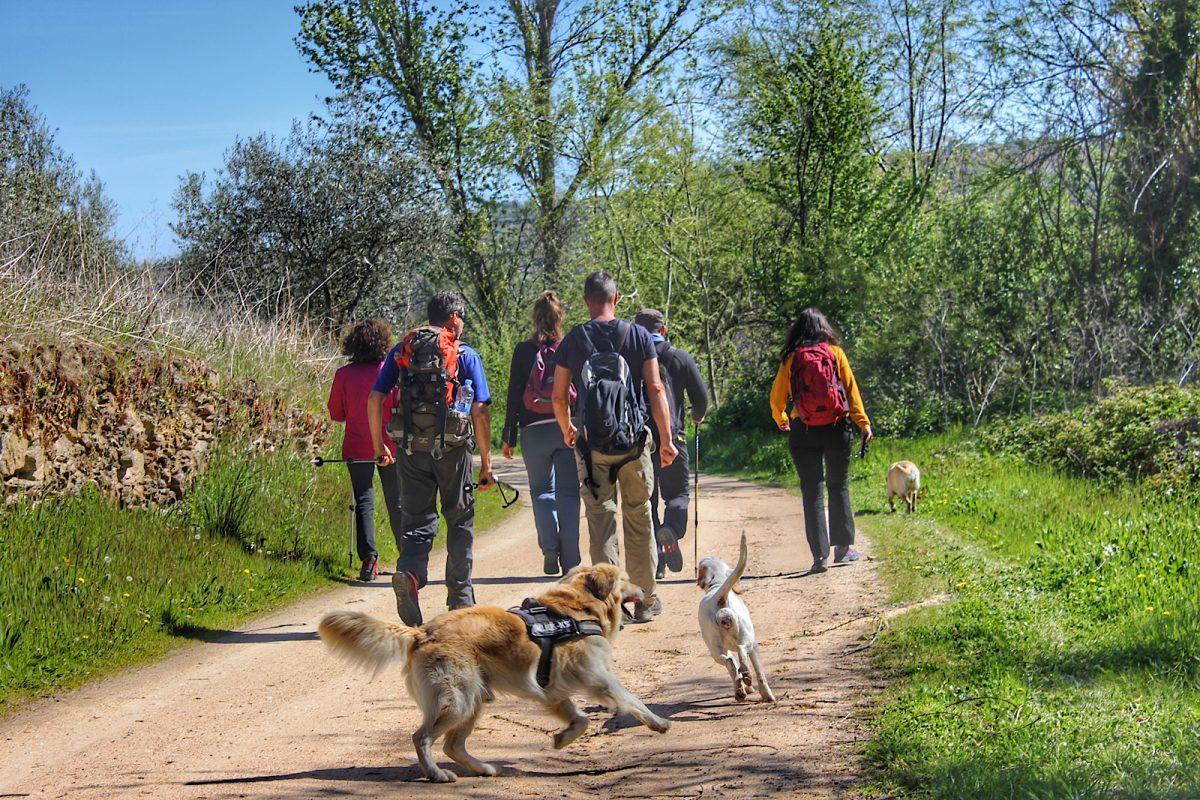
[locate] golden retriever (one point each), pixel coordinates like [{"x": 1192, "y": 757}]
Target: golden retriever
[{"x": 453, "y": 663}]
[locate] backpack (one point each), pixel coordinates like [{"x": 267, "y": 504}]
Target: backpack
[
  {"x": 539, "y": 387},
  {"x": 612, "y": 419},
  {"x": 427, "y": 422},
  {"x": 818, "y": 395},
  {"x": 664, "y": 373}
]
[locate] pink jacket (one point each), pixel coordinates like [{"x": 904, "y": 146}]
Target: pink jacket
[{"x": 348, "y": 403}]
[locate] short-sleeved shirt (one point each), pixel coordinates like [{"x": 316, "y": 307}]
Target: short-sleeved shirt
[
  {"x": 470, "y": 368},
  {"x": 574, "y": 352}
]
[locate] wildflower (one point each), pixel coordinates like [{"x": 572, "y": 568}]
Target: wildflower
[
  {"x": 1166, "y": 613},
  {"x": 86, "y": 636},
  {"x": 1092, "y": 580},
  {"x": 959, "y": 585},
  {"x": 129, "y": 578},
  {"x": 81, "y": 579},
  {"x": 247, "y": 570},
  {"x": 108, "y": 559},
  {"x": 1109, "y": 549},
  {"x": 107, "y": 598},
  {"x": 196, "y": 537},
  {"x": 252, "y": 588},
  {"x": 1141, "y": 574},
  {"x": 125, "y": 594},
  {"x": 1149, "y": 608}
]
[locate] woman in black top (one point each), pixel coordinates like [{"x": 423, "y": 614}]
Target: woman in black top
[{"x": 553, "y": 476}]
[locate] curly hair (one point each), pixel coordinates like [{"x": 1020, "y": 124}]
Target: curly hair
[
  {"x": 367, "y": 342},
  {"x": 547, "y": 318}
]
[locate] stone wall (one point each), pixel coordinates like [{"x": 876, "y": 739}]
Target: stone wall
[{"x": 137, "y": 424}]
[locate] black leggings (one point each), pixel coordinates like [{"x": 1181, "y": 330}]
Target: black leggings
[
  {"x": 362, "y": 480},
  {"x": 821, "y": 454}
]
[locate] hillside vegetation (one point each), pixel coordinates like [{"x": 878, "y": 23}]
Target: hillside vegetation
[{"x": 1065, "y": 658}]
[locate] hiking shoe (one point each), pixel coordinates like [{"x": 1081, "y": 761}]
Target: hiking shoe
[
  {"x": 668, "y": 548},
  {"x": 404, "y": 584},
  {"x": 660, "y": 571},
  {"x": 645, "y": 613},
  {"x": 844, "y": 555},
  {"x": 369, "y": 570},
  {"x": 550, "y": 562},
  {"x": 818, "y": 567}
]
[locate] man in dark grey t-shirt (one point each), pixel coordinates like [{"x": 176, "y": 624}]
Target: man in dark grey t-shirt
[{"x": 635, "y": 471}]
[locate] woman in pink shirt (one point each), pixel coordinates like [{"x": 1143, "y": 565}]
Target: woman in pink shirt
[{"x": 366, "y": 345}]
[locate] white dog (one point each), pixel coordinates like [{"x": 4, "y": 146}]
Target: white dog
[
  {"x": 903, "y": 480},
  {"x": 726, "y": 626}
]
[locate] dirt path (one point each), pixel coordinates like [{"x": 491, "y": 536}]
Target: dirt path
[{"x": 265, "y": 712}]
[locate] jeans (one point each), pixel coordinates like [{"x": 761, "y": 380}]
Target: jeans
[
  {"x": 671, "y": 487},
  {"x": 554, "y": 485},
  {"x": 635, "y": 481},
  {"x": 362, "y": 480},
  {"x": 422, "y": 479},
  {"x": 821, "y": 454}
]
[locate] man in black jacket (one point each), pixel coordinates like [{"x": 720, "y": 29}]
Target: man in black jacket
[{"x": 682, "y": 376}]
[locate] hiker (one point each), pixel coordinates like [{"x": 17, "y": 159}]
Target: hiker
[
  {"x": 442, "y": 411},
  {"x": 680, "y": 374},
  {"x": 550, "y": 463},
  {"x": 815, "y": 379},
  {"x": 614, "y": 368},
  {"x": 366, "y": 346}
]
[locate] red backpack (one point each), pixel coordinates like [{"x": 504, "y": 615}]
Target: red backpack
[
  {"x": 539, "y": 388},
  {"x": 818, "y": 395},
  {"x": 428, "y": 362}
]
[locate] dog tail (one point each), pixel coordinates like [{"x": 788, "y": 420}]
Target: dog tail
[
  {"x": 366, "y": 641},
  {"x": 730, "y": 583}
]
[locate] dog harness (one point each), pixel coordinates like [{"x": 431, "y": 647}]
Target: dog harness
[{"x": 548, "y": 628}]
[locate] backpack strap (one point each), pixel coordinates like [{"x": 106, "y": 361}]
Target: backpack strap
[
  {"x": 634, "y": 455},
  {"x": 581, "y": 444}
]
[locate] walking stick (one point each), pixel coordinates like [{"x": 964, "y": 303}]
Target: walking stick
[{"x": 696, "y": 506}]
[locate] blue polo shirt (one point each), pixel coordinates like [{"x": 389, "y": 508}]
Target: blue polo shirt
[{"x": 470, "y": 367}]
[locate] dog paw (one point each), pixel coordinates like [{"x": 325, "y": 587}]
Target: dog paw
[
  {"x": 740, "y": 694},
  {"x": 746, "y": 681},
  {"x": 486, "y": 770},
  {"x": 658, "y": 725},
  {"x": 767, "y": 696},
  {"x": 568, "y": 735},
  {"x": 441, "y": 776}
]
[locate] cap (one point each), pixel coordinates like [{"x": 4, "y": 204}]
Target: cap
[{"x": 650, "y": 318}]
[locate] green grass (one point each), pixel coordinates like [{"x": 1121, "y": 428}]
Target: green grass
[
  {"x": 1066, "y": 660},
  {"x": 88, "y": 587}
]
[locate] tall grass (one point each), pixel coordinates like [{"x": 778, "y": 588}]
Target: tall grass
[
  {"x": 1065, "y": 662},
  {"x": 148, "y": 307}
]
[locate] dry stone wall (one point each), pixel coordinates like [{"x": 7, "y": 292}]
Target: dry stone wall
[{"x": 137, "y": 424}]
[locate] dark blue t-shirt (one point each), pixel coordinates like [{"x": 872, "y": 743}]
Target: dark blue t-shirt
[
  {"x": 470, "y": 368},
  {"x": 574, "y": 352}
]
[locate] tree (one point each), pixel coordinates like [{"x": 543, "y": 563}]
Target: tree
[
  {"x": 333, "y": 221},
  {"x": 48, "y": 209},
  {"x": 556, "y": 93}
]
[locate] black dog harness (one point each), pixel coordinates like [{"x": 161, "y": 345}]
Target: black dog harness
[{"x": 548, "y": 628}]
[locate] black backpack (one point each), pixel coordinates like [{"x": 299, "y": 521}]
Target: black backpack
[{"x": 611, "y": 418}]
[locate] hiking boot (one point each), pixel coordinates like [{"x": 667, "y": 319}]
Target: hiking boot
[
  {"x": 844, "y": 555},
  {"x": 550, "y": 562},
  {"x": 645, "y": 613},
  {"x": 818, "y": 567},
  {"x": 668, "y": 547},
  {"x": 369, "y": 570},
  {"x": 404, "y": 584},
  {"x": 660, "y": 571}
]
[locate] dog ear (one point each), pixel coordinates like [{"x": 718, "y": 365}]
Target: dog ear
[
  {"x": 602, "y": 580},
  {"x": 702, "y": 575}
]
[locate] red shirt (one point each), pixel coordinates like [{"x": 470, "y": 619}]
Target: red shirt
[{"x": 348, "y": 403}]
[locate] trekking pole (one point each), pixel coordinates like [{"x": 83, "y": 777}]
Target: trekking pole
[
  {"x": 318, "y": 461},
  {"x": 696, "y": 506}
]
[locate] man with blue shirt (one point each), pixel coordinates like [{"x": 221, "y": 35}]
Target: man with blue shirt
[{"x": 444, "y": 470}]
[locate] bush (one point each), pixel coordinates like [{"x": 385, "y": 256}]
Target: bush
[{"x": 1133, "y": 431}]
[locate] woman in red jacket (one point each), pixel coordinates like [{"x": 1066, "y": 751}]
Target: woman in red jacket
[{"x": 366, "y": 345}]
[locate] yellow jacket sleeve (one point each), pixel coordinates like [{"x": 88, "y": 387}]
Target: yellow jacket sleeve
[
  {"x": 853, "y": 398},
  {"x": 781, "y": 392}
]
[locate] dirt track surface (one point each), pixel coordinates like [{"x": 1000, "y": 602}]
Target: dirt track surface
[{"x": 267, "y": 712}]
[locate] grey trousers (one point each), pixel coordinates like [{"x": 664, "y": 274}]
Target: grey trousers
[
  {"x": 422, "y": 479},
  {"x": 672, "y": 491},
  {"x": 635, "y": 481},
  {"x": 821, "y": 454}
]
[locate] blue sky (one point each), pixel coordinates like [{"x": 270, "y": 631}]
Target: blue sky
[{"x": 142, "y": 91}]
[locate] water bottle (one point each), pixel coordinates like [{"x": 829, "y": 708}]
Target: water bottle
[{"x": 466, "y": 396}]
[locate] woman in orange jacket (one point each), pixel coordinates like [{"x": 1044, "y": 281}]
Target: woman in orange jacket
[{"x": 815, "y": 382}]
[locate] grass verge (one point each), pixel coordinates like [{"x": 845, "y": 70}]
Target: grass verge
[
  {"x": 1066, "y": 663},
  {"x": 88, "y": 587}
]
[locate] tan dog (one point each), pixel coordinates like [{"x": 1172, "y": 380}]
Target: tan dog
[
  {"x": 453, "y": 663},
  {"x": 903, "y": 480}
]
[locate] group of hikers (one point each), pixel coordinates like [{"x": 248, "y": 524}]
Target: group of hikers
[{"x": 599, "y": 413}]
